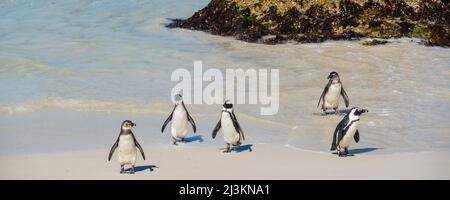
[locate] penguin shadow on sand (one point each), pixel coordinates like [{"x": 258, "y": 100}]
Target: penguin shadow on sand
[
  {"x": 353, "y": 152},
  {"x": 195, "y": 138},
  {"x": 363, "y": 150},
  {"x": 149, "y": 168},
  {"x": 239, "y": 149}
]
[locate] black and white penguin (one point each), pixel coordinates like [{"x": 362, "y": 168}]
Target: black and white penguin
[
  {"x": 179, "y": 117},
  {"x": 331, "y": 93},
  {"x": 127, "y": 144},
  {"x": 346, "y": 131},
  {"x": 232, "y": 132}
]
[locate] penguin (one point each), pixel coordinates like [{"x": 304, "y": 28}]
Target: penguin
[
  {"x": 179, "y": 117},
  {"x": 127, "y": 144},
  {"x": 232, "y": 132},
  {"x": 347, "y": 130},
  {"x": 331, "y": 92}
]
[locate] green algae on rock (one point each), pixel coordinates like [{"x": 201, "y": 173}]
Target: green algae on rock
[{"x": 278, "y": 21}]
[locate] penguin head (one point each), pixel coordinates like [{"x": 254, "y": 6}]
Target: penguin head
[
  {"x": 127, "y": 125},
  {"x": 334, "y": 76},
  {"x": 227, "y": 105},
  {"x": 358, "y": 111},
  {"x": 178, "y": 99}
]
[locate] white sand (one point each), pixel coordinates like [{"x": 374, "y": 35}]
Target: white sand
[{"x": 265, "y": 162}]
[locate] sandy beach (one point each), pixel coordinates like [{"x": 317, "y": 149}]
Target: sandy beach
[{"x": 264, "y": 162}]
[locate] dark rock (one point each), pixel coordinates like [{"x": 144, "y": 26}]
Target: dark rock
[
  {"x": 274, "y": 22},
  {"x": 374, "y": 42}
]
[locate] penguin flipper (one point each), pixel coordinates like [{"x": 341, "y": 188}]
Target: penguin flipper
[
  {"x": 113, "y": 148},
  {"x": 356, "y": 136},
  {"x": 216, "y": 129},
  {"x": 236, "y": 125},
  {"x": 190, "y": 118},
  {"x": 344, "y": 95},
  {"x": 167, "y": 120},
  {"x": 140, "y": 148},
  {"x": 192, "y": 123},
  {"x": 323, "y": 93},
  {"x": 339, "y": 132}
]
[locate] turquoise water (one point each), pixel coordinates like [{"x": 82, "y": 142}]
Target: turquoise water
[{"x": 71, "y": 71}]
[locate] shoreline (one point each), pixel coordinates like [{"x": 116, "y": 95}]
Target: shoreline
[{"x": 266, "y": 161}]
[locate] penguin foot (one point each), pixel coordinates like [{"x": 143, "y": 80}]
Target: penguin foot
[
  {"x": 174, "y": 141},
  {"x": 131, "y": 171},
  {"x": 347, "y": 153},
  {"x": 341, "y": 154},
  {"x": 235, "y": 148},
  {"x": 228, "y": 149}
]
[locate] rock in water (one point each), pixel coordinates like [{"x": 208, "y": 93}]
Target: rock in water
[
  {"x": 374, "y": 42},
  {"x": 274, "y": 21}
]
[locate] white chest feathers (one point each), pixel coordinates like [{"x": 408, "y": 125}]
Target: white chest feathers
[
  {"x": 331, "y": 99},
  {"x": 179, "y": 122},
  {"x": 231, "y": 136},
  {"x": 179, "y": 117},
  {"x": 351, "y": 130},
  {"x": 127, "y": 150}
]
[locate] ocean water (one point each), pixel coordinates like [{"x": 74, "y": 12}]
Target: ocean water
[{"x": 71, "y": 71}]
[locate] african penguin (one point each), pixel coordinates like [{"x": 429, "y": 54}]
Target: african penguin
[
  {"x": 179, "y": 117},
  {"x": 347, "y": 130},
  {"x": 232, "y": 132},
  {"x": 331, "y": 93},
  {"x": 127, "y": 144}
]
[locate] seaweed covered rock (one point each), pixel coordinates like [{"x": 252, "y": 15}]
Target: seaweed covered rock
[{"x": 277, "y": 21}]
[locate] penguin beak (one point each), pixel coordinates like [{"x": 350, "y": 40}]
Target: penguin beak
[
  {"x": 133, "y": 124},
  {"x": 364, "y": 111}
]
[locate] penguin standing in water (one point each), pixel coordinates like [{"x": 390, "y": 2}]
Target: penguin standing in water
[
  {"x": 331, "y": 93},
  {"x": 179, "y": 117},
  {"x": 127, "y": 144},
  {"x": 232, "y": 132},
  {"x": 346, "y": 131}
]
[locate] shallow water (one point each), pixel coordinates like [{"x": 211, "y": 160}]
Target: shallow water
[{"x": 71, "y": 71}]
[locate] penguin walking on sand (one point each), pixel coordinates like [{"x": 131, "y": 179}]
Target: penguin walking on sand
[
  {"x": 127, "y": 144},
  {"x": 232, "y": 132},
  {"x": 346, "y": 131},
  {"x": 179, "y": 117},
  {"x": 331, "y": 93}
]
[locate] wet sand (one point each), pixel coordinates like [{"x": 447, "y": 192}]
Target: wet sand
[{"x": 264, "y": 162}]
